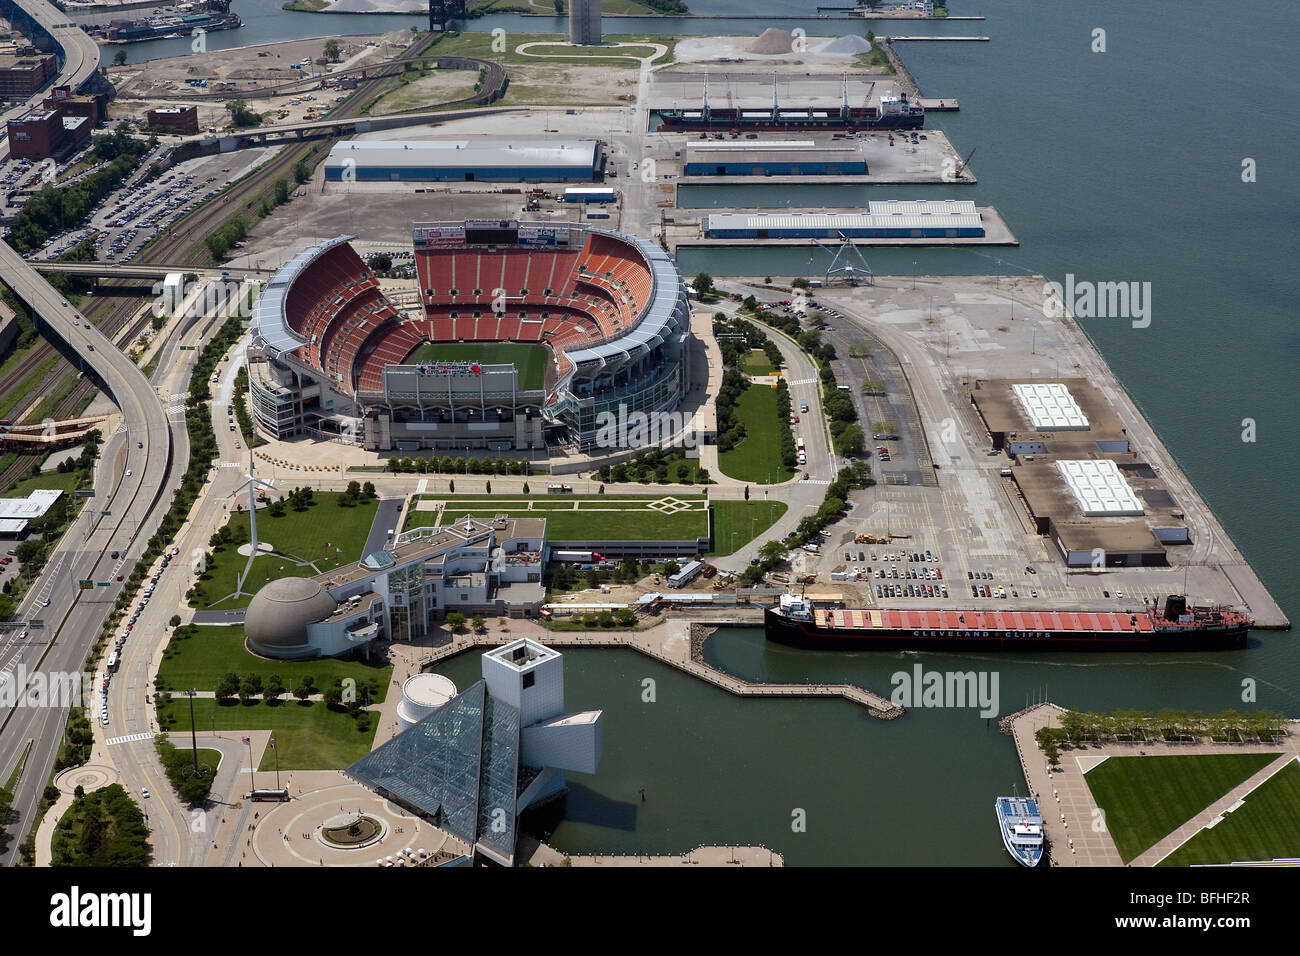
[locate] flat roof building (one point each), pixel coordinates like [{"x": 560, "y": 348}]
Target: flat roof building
[
  {"x": 774, "y": 158},
  {"x": 894, "y": 219},
  {"x": 576, "y": 160},
  {"x": 1035, "y": 416},
  {"x": 182, "y": 120},
  {"x": 16, "y": 512},
  {"x": 23, "y": 74}
]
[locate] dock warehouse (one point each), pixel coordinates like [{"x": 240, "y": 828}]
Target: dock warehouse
[
  {"x": 920, "y": 219},
  {"x": 510, "y": 161},
  {"x": 779, "y": 158}
]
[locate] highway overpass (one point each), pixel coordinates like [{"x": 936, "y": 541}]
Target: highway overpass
[
  {"x": 110, "y": 270},
  {"x": 131, "y": 494}
]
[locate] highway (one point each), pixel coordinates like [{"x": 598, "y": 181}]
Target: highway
[
  {"x": 131, "y": 494},
  {"x": 113, "y": 270},
  {"x": 80, "y": 52}
]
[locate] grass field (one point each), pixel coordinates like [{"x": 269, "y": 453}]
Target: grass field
[
  {"x": 1145, "y": 798},
  {"x": 758, "y": 457},
  {"x": 755, "y": 362},
  {"x": 1265, "y": 827},
  {"x": 736, "y": 523},
  {"x": 201, "y": 660},
  {"x": 610, "y": 517},
  {"x": 529, "y": 360},
  {"x": 308, "y": 736},
  {"x": 325, "y": 535},
  {"x": 66, "y": 482}
]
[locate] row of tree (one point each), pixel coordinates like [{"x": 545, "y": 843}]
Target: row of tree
[
  {"x": 1077, "y": 726},
  {"x": 461, "y": 465},
  {"x": 102, "y": 828}
]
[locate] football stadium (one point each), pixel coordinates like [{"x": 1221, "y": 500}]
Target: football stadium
[{"x": 518, "y": 336}]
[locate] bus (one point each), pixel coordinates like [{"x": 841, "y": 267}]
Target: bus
[{"x": 112, "y": 662}]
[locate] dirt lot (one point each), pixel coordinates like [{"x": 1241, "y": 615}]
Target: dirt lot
[{"x": 164, "y": 82}]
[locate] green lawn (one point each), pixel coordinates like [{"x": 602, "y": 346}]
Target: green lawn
[
  {"x": 748, "y": 519},
  {"x": 308, "y": 736},
  {"x": 326, "y": 535},
  {"x": 758, "y": 457},
  {"x": 609, "y": 517},
  {"x": 201, "y": 660},
  {"x": 66, "y": 482},
  {"x": 529, "y": 360},
  {"x": 1265, "y": 827},
  {"x": 1146, "y": 798},
  {"x": 755, "y": 362}
]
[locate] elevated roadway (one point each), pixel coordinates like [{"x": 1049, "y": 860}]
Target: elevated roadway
[
  {"x": 131, "y": 494},
  {"x": 79, "y": 53},
  {"x": 111, "y": 270}
]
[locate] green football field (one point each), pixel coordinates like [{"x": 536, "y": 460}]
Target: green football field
[{"x": 529, "y": 360}]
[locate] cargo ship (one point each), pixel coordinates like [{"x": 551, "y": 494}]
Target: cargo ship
[
  {"x": 169, "y": 25},
  {"x": 1176, "y": 627},
  {"x": 1022, "y": 829},
  {"x": 894, "y": 112}
]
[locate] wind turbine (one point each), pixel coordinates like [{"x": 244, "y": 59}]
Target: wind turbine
[{"x": 251, "y": 482}]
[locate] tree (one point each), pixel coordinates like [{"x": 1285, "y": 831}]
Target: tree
[
  {"x": 332, "y": 50},
  {"x": 381, "y": 262},
  {"x": 241, "y": 115},
  {"x": 250, "y": 687},
  {"x": 334, "y": 694},
  {"x": 274, "y": 688},
  {"x": 525, "y": 488},
  {"x": 306, "y": 687},
  {"x": 281, "y": 192},
  {"x": 478, "y": 623},
  {"x": 456, "y": 621},
  {"x": 702, "y": 284},
  {"x": 368, "y": 490},
  {"x": 228, "y": 687},
  {"x": 301, "y": 171},
  {"x": 772, "y": 552},
  {"x": 175, "y": 621},
  {"x": 119, "y": 58},
  {"x": 354, "y": 490}
]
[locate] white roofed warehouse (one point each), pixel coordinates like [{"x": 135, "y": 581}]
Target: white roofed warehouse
[{"x": 503, "y": 161}]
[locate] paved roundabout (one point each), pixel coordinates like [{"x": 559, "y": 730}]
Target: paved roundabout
[{"x": 290, "y": 834}]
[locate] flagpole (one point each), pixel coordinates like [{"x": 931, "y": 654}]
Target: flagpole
[
  {"x": 252, "y": 771},
  {"x": 277, "y": 763}
]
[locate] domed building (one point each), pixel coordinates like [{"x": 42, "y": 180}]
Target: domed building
[{"x": 295, "y": 618}]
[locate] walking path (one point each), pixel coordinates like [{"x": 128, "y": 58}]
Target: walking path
[
  {"x": 1075, "y": 826},
  {"x": 670, "y": 641}
]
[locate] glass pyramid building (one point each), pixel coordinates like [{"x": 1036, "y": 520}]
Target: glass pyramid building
[{"x": 459, "y": 767}]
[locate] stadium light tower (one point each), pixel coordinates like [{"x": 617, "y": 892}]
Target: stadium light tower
[{"x": 252, "y": 483}]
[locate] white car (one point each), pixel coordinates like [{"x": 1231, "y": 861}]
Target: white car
[
  {"x": 1120, "y": 595},
  {"x": 144, "y": 792},
  {"x": 128, "y": 473}
]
